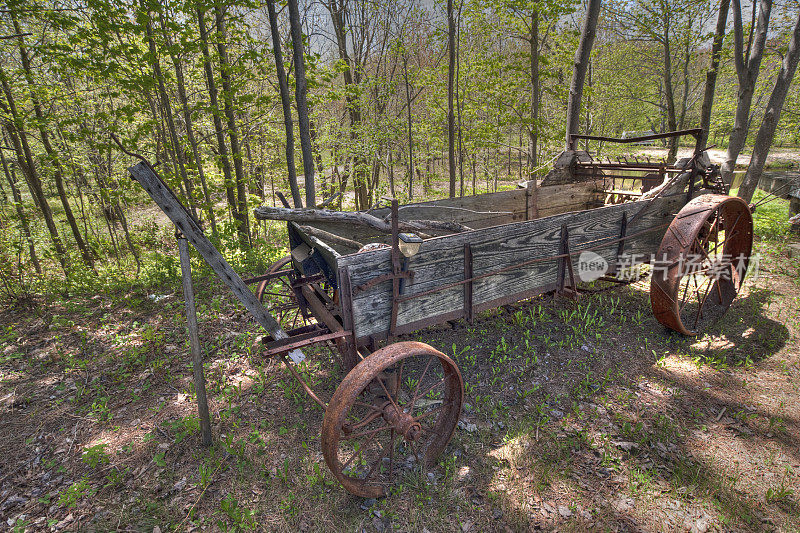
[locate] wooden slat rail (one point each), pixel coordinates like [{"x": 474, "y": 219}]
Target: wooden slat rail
[
  {"x": 163, "y": 196},
  {"x": 480, "y": 211}
]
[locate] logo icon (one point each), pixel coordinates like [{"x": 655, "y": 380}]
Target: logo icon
[{"x": 591, "y": 266}]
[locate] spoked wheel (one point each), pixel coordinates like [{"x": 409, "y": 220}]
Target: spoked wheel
[
  {"x": 278, "y": 296},
  {"x": 393, "y": 414},
  {"x": 701, "y": 262}
]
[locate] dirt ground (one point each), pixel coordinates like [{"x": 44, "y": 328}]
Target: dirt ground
[{"x": 580, "y": 416}]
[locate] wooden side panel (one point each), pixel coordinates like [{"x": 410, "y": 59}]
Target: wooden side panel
[
  {"x": 440, "y": 261},
  {"x": 557, "y": 199},
  {"x": 476, "y": 212},
  {"x": 479, "y": 211}
]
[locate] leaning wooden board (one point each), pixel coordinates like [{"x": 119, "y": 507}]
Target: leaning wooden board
[{"x": 440, "y": 261}]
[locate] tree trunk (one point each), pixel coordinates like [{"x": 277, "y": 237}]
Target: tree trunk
[
  {"x": 534, "y": 131},
  {"x": 166, "y": 106},
  {"x": 19, "y": 139},
  {"x": 410, "y": 136},
  {"x": 302, "y": 104},
  {"x": 58, "y": 173},
  {"x": 451, "y": 69},
  {"x": 711, "y": 75},
  {"x": 358, "y": 218},
  {"x": 459, "y": 103},
  {"x": 337, "y": 11},
  {"x": 233, "y": 129},
  {"x": 218, "y": 127},
  {"x": 582, "y": 56},
  {"x": 669, "y": 94},
  {"x": 772, "y": 115},
  {"x": 747, "y": 72},
  {"x": 187, "y": 117},
  {"x": 23, "y": 218}
]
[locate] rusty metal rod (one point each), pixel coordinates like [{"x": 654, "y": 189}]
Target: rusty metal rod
[
  {"x": 303, "y": 383},
  {"x": 526, "y": 263}
]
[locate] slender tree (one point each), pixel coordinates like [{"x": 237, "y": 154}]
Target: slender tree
[
  {"x": 233, "y": 129},
  {"x": 582, "y": 56},
  {"x": 19, "y": 138},
  {"x": 711, "y": 75},
  {"x": 300, "y": 89},
  {"x": 44, "y": 137},
  {"x": 451, "y": 70},
  {"x": 219, "y": 129},
  {"x": 772, "y": 115},
  {"x": 177, "y": 63},
  {"x": 21, "y": 215},
  {"x": 166, "y": 107},
  {"x": 747, "y": 59},
  {"x": 286, "y": 103}
]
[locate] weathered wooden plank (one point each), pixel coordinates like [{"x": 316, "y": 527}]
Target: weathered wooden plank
[
  {"x": 194, "y": 343},
  {"x": 440, "y": 261},
  {"x": 478, "y": 211},
  {"x": 186, "y": 224}
]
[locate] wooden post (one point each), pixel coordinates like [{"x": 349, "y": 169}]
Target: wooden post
[{"x": 194, "y": 340}]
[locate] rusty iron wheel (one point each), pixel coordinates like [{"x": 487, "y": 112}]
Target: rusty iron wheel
[
  {"x": 279, "y": 298},
  {"x": 393, "y": 414},
  {"x": 701, "y": 262}
]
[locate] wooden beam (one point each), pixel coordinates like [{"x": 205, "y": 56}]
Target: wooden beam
[{"x": 165, "y": 198}]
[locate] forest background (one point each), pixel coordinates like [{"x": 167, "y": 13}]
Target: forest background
[{"x": 196, "y": 86}]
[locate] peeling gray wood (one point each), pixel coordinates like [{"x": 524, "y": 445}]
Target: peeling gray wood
[{"x": 440, "y": 261}]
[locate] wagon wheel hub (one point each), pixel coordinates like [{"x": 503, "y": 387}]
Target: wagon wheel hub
[{"x": 402, "y": 422}]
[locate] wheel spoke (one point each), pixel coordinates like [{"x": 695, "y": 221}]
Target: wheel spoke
[
  {"x": 422, "y": 396},
  {"x": 424, "y": 372},
  {"x": 428, "y": 413},
  {"x": 378, "y": 461},
  {"x": 365, "y": 433},
  {"x": 360, "y": 450},
  {"x": 702, "y": 304}
]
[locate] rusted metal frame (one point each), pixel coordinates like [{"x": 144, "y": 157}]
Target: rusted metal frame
[
  {"x": 396, "y": 267},
  {"x": 303, "y": 384},
  {"x": 322, "y": 294},
  {"x": 623, "y": 230},
  {"x": 468, "y": 305},
  {"x": 267, "y": 277},
  {"x": 382, "y": 278},
  {"x": 296, "y": 331},
  {"x": 297, "y": 286},
  {"x": 321, "y": 312},
  {"x": 285, "y": 345},
  {"x": 573, "y": 138},
  {"x": 565, "y": 265},
  {"x": 517, "y": 266}
]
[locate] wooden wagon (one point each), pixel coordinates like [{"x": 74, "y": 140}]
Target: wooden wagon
[{"x": 586, "y": 221}]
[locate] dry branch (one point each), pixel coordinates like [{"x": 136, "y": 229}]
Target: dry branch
[{"x": 362, "y": 219}]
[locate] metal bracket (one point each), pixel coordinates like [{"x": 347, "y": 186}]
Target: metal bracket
[{"x": 564, "y": 265}]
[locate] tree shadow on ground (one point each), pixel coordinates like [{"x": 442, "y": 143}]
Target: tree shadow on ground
[{"x": 643, "y": 438}]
